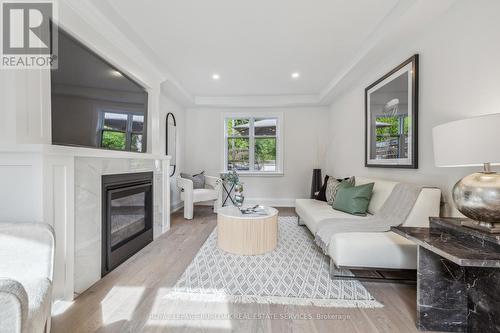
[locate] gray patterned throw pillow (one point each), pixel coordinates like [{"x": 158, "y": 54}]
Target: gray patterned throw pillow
[
  {"x": 332, "y": 187},
  {"x": 198, "y": 180}
]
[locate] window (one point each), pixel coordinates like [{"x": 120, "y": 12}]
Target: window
[
  {"x": 252, "y": 144},
  {"x": 122, "y": 131}
]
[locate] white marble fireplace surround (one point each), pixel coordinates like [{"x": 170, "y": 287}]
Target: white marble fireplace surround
[
  {"x": 61, "y": 186},
  {"x": 88, "y": 210}
]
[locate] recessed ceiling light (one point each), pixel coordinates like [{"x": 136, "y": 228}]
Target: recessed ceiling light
[
  {"x": 215, "y": 76},
  {"x": 116, "y": 73},
  {"x": 295, "y": 75}
]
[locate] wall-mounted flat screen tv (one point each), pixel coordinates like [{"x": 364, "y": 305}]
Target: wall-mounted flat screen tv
[{"x": 93, "y": 103}]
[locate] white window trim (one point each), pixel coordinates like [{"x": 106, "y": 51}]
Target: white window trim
[
  {"x": 279, "y": 144},
  {"x": 128, "y": 132}
]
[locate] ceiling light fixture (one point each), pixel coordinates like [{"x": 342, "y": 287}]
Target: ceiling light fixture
[
  {"x": 215, "y": 76},
  {"x": 295, "y": 75},
  {"x": 116, "y": 73}
]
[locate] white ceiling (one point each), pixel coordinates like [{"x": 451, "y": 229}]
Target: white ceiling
[{"x": 253, "y": 45}]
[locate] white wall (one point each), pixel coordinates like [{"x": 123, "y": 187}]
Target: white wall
[
  {"x": 459, "y": 78},
  {"x": 168, "y": 105},
  {"x": 303, "y": 128}
]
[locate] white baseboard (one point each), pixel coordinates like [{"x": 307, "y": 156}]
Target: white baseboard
[
  {"x": 176, "y": 206},
  {"x": 275, "y": 202}
]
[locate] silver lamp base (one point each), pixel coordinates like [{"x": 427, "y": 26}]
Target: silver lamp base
[{"x": 477, "y": 196}]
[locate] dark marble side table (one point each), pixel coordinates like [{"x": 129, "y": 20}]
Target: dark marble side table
[{"x": 458, "y": 277}]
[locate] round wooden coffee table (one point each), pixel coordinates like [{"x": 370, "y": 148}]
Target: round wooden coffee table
[{"x": 247, "y": 234}]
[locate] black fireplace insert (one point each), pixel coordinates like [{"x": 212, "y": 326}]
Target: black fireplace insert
[{"x": 127, "y": 217}]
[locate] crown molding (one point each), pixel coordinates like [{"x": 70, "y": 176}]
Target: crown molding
[
  {"x": 104, "y": 20},
  {"x": 250, "y": 101},
  {"x": 97, "y": 24},
  {"x": 373, "y": 39},
  {"x": 399, "y": 27},
  {"x": 175, "y": 88},
  {"x": 177, "y": 93}
]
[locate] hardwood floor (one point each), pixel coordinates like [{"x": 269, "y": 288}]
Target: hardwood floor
[{"x": 126, "y": 299}]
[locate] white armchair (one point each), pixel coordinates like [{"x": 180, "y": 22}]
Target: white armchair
[
  {"x": 190, "y": 196},
  {"x": 26, "y": 270}
]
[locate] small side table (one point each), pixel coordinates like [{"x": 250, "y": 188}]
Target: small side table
[
  {"x": 458, "y": 273},
  {"x": 227, "y": 194}
]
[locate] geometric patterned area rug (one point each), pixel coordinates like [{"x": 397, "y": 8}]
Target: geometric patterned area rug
[{"x": 295, "y": 273}]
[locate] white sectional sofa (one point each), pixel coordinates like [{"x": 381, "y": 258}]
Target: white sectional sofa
[{"x": 383, "y": 250}]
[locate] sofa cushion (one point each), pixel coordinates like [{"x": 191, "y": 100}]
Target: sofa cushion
[
  {"x": 373, "y": 249},
  {"x": 312, "y": 212},
  {"x": 381, "y": 192}
]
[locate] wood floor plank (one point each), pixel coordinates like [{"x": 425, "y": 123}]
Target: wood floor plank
[{"x": 130, "y": 298}]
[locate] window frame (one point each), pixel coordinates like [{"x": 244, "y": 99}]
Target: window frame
[
  {"x": 251, "y": 142},
  {"x": 128, "y": 131}
]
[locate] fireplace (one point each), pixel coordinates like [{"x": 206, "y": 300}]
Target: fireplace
[{"x": 127, "y": 217}]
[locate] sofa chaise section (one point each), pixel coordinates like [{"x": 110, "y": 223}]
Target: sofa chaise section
[{"x": 382, "y": 250}]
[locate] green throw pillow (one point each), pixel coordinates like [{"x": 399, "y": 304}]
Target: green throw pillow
[{"x": 353, "y": 199}]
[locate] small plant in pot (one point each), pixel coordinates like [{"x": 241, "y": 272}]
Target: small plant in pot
[{"x": 231, "y": 177}]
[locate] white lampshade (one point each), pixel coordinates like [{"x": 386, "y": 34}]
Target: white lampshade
[{"x": 468, "y": 142}]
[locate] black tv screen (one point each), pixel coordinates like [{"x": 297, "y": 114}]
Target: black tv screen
[{"x": 93, "y": 103}]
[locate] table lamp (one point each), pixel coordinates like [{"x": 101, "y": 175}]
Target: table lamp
[{"x": 473, "y": 142}]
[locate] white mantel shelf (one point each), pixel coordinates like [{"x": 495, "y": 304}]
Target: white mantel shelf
[{"x": 77, "y": 151}]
